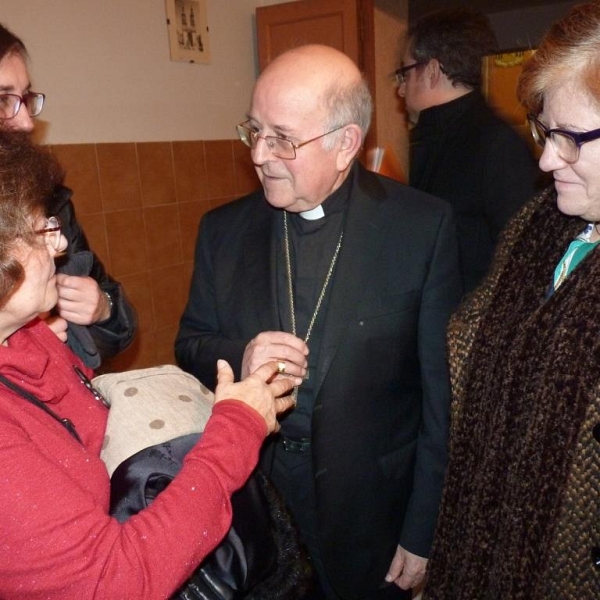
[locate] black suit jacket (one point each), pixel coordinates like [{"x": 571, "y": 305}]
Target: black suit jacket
[
  {"x": 463, "y": 152},
  {"x": 380, "y": 419},
  {"x": 109, "y": 337}
]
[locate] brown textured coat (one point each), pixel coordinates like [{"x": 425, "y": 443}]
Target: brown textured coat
[{"x": 521, "y": 508}]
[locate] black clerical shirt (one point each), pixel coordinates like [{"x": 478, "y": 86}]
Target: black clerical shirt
[{"x": 312, "y": 247}]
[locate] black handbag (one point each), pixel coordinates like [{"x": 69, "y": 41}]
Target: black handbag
[{"x": 259, "y": 558}]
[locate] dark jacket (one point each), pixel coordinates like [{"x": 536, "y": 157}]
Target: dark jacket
[
  {"x": 379, "y": 425},
  {"x": 103, "y": 339},
  {"x": 463, "y": 152}
]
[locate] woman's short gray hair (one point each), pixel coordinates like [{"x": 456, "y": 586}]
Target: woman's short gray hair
[{"x": 569, "y": 55}]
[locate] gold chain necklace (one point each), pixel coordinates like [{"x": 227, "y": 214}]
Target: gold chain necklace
[{"x": 288, "y": 264}]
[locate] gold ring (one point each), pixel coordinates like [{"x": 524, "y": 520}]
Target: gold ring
[{"x": 281, "y": 366}]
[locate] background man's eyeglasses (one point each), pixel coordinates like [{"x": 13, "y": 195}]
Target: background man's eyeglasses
[
  {"x": 565, "y": 143},
  {"x": 400, "y": 74},
  {"x": 10, "y": 104},
  {"x": 52, "y": 231},
  {"x": 279, "y": 146}
]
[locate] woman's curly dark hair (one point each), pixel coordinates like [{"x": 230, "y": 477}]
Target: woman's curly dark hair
[{"x": 28, "y": 174}]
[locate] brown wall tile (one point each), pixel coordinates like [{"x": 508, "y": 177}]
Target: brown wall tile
[
  {"x": 190, "y": 214},
  {"x": 163, "y": 236},
  {"x": 148, "y": 244},
  {"x": 95, "y": 232},
  {"x": 119, "y": 176},
  {"x": 156, "y": 173},
  {"x": 246, "y": 179},
  {"x": 219, "y": 168},
  {"x": 140, "y": 355},
  {"x": 146, "y": 353},
  {"x": 79, "y": 162},
  {"x": 190, "y": 171},
  {"x": 138, "y": 289},
  {"x": 126, "y": 242},
  {"x": 165, "y": 345},
  {"x": 169, "y": 295}
]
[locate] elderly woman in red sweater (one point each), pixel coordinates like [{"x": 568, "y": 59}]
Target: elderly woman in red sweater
[{"x": 57, "y": 539}]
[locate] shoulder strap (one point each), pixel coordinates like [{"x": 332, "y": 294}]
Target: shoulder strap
[{"x": 66, "y": 423}]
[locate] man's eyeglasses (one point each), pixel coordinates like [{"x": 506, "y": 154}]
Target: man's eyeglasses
[
  {"x": 565, "y": 143},
  {"x": 10, "y": 104},
  {"x": 52, "y": 231},
  {"x": 400, "y": 74},
  {"x": 280, "y": 147}
]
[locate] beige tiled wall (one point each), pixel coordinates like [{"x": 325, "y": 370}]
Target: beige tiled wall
[{"x": 140, "y": 205}]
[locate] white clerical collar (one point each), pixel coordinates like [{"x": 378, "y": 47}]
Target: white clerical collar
[{"x": 313, "y": 214}]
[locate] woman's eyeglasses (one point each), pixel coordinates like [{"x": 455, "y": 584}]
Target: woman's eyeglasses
[
  {"x": 52, "y": 232},
  {"x": 565, "y": 143}
]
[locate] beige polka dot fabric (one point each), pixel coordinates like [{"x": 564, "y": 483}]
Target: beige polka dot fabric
[{"x": 150, "y": 406}]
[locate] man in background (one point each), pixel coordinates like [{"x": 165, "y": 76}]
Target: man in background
[
  {"x": 346, "y": 279},
  {"x": 460, "y": 149}
]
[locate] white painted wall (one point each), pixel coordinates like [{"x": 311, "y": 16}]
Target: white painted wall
[{"x": 105, "y": 67}]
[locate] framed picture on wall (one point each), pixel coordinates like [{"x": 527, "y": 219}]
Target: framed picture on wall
[{"x": 187, "y": 24}]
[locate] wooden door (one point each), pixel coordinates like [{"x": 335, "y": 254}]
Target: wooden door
[
  {"x": 344, "y": 24},
  {"x": 370, "y": 33},
  {"x": 332, "y": 22}
]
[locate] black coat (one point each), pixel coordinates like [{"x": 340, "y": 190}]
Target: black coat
[
  {"x": 103, "y": 339},
  {"x": 379, "y": 425},
  {"x": 463, "y": 152}
]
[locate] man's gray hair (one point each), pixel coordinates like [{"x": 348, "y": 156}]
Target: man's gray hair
[{"x": 347, "y": 104}]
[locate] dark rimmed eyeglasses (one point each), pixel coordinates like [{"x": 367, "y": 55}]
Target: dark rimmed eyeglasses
[
  {"x": 565, "y": 143},
  {"x": 52, "y": 232},
  {"x": 400, "y": 74},
  {"x": 281, "y": 147},
  {"x": 10, "y": 104}
]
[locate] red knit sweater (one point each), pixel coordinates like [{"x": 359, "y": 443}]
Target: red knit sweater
[{"x": 56, "y": 538}]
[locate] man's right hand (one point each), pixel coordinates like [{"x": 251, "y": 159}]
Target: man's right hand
[{"x": 277, "y": 346}]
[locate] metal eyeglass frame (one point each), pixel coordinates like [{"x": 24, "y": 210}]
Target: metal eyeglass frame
[
  {"x": 251, "y": 137},
  {"x": 52, "y": 231}
]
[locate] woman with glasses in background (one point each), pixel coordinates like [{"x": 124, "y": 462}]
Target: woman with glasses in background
[
  {"x": 520, "y": 514},
  {"x": 93, "y": 315},
  {"x": 58, "y": 540}
]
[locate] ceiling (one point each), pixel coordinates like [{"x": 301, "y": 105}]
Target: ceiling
[{"x": 488, "y": 6}]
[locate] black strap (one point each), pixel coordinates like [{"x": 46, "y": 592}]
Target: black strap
[{"x": 66, "y": 423}]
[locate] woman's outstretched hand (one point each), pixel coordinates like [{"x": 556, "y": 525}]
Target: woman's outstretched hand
[{"x": 263, "y": 392}]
